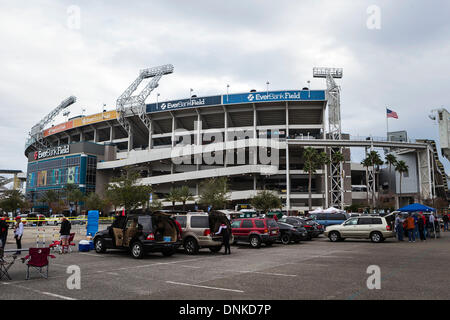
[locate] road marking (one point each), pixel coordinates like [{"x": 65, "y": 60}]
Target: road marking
[
  {"x": 93, "y": 255},
  {"x": 268, "y": 273},
  {"x": 205, "y": 287},
  {"x": 56, "y": 295}
]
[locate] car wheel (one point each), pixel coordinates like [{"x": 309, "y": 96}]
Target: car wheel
[
  {"x": 376, "y": 237},
  {"x": 334, "y": 236},
  {"x": 168, "y": 253},
  {"x": 191, "y": 246},
  {"x": 255, "y": 242},
  {"x": 285, "y": 239},
  {"x": 99, "y": 245},
  {"x": 215, "y": 249},
  {"x": 137, "y": 250}
]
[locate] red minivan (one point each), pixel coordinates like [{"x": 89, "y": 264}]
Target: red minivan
[{"x": 255, "y": 231}]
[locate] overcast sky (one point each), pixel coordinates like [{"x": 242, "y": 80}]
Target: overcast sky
[{"x": 45, "y": 57}]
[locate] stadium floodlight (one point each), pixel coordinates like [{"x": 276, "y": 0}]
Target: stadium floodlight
[
  {"x": 335, "y": 132},
  {"x": 320, "y": 72},
  {"x": 36, "y": 133}
]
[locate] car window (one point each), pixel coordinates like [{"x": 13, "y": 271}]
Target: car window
[
  {"x": 132, "y": 223},
  {"x": 247, "y": 224},
  {"x": 272, "y": 223},
  {"x": 200, "y": 222},
  {"x": 376, "y": 221},
  {"x": 351, "y": 222},
  {"x": 365, "y": 221},
  {"x": 236, "y": 224},
  {"x": 336, "y": 216},
  {"x": 119, "y": 222},
  {"x": 259, "y": 223},
  {"x": 321, "y": 216},
  {"x": 182, "y": 220},
  {"x": 145, "y": 222}
]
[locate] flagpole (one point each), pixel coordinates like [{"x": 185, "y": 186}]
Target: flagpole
[{"x": 387, "y": 126}]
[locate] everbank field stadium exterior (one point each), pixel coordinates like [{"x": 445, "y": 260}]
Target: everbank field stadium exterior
[{"x": 256, "y": 139}]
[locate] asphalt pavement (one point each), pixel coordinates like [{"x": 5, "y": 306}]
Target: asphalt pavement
[{"x": 315, "y": 269}]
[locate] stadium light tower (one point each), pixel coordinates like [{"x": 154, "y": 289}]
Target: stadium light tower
[
  {"x": 334, "y": 131},
  {"x": 36, "y": 134},
  {"x": 126, "y": 103}
]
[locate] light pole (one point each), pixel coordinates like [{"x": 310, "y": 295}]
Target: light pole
[
  {"x": 267, "y": 83},
  {"x": 228, "y": 88},
  {"x": 309, "y": 89},
  {"x": 157, "y": 96},
  {"x": 190, "y": 94}
]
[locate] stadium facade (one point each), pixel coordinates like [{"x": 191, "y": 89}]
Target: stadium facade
[{"x": 255, "y": 139}]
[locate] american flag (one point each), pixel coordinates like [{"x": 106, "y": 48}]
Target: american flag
[{"x": 391, "y": 114}]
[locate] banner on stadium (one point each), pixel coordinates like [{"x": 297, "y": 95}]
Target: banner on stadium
[
  {"x": 252, "y": 97},
  {"x": 185, "y": 103},
  {"x": 95, "y": 118},
  {"x": 58, "y": 128}
]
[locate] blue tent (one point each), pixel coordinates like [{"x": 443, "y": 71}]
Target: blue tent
[{"x": 416, "y": 207}]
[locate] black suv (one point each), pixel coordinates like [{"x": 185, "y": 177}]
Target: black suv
[
  {"x": 140, "y": 233},
  {"x": 309, "y": 224}
]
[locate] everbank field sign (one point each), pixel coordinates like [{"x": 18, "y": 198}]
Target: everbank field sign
[{"x": 52, "y": 152}]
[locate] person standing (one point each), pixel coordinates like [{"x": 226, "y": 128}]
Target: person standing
[
  {"x": 445, "y": 219},
  {"x": 432, "y": 227},
  {"x": 421, "y": 227},
  {"x": 65, "y": 233},
  {"x": 410, "y": 226},
  {"x": 18, "y": 233},
  {"x": 225, "y": 233},
  {"x": 399, "y": 227},
  {"x": 3, "y": 232}
]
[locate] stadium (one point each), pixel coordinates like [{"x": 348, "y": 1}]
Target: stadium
[{"x": 255, "y": 139}]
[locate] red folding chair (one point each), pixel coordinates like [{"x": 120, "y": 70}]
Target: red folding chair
[
  {"x": 37, "y": 259},
  {"x": 57, "y": 244}
]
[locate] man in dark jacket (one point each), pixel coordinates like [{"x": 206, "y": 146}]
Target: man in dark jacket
[
  {"x": 225, "y": 233},
  {"x": 445, "y": 219},
  {"x": 65, "y": 233},
  {"x": 3, "y": 231}
]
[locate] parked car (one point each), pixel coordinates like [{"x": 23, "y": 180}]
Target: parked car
[
  {"x": 289, "y": 233},
  {"x": 255, "y": 231},
  {"x": 140, "y": 233},
  {"x": 34, "y": 218},
  {"x": 377, "y": 229},
  {"x": 198, "y": 231},
  {"x": 82, "y": 219},
  {"x": 310, "y": 225},
  {"x": 328, "y": 219},
  {"x": 55, "y": 219}
]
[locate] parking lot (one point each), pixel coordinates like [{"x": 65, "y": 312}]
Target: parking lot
[{"x": 315, "y": 269}]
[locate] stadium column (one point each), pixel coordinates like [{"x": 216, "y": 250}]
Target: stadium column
[
  {"x": 130, "y": 139},
  {"x": 225, "y": 135},
  {"x": 150, "y": 135},
  {"x": 255, "y": 136},
  {"x": 288, "y": 180},
  {"x": 111, "y": 133}
]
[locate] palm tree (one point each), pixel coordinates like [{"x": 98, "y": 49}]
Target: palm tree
[
  {"x": 311, "y": 157},
  {"x": 185, "y": 195},
  {"x": 401, "y": 167},
  {"x": 173, "y": 196},
  {"x": 366, "y": 164},
  {"x": 214, "y": 193},
  {"x": 376, "y": 162},
  {"x": 50, "y": 197},
  {"x": 324, "y": 160},
  {"x": 391, "y": 160},
  {"x": 74, "y": 194}
]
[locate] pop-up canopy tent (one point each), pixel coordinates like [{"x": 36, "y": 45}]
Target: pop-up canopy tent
[
  {"x": 416, "y": 207},
  {"x": 329, "y": 210}
]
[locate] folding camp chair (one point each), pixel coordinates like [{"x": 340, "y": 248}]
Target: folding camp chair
[
  {"x": 57, "y": 245},
  {"x": 5, "y": 264},
  {"x": 37, "y": 259}
]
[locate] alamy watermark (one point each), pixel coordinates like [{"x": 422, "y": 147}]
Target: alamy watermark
[
  {"x": 74, "y": 280},
  {"x": 74, "y": 17},
  {"x": 374, "y": 17},
  {"x": 374, "y": 280}
]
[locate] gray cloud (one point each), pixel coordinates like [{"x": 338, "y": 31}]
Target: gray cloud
[{"x": 244, "y": 43}]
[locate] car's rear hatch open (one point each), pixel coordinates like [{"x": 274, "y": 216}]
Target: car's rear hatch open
[
  {"x": 216, "y": 219},
  {"x": 164, "y": 227}
]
